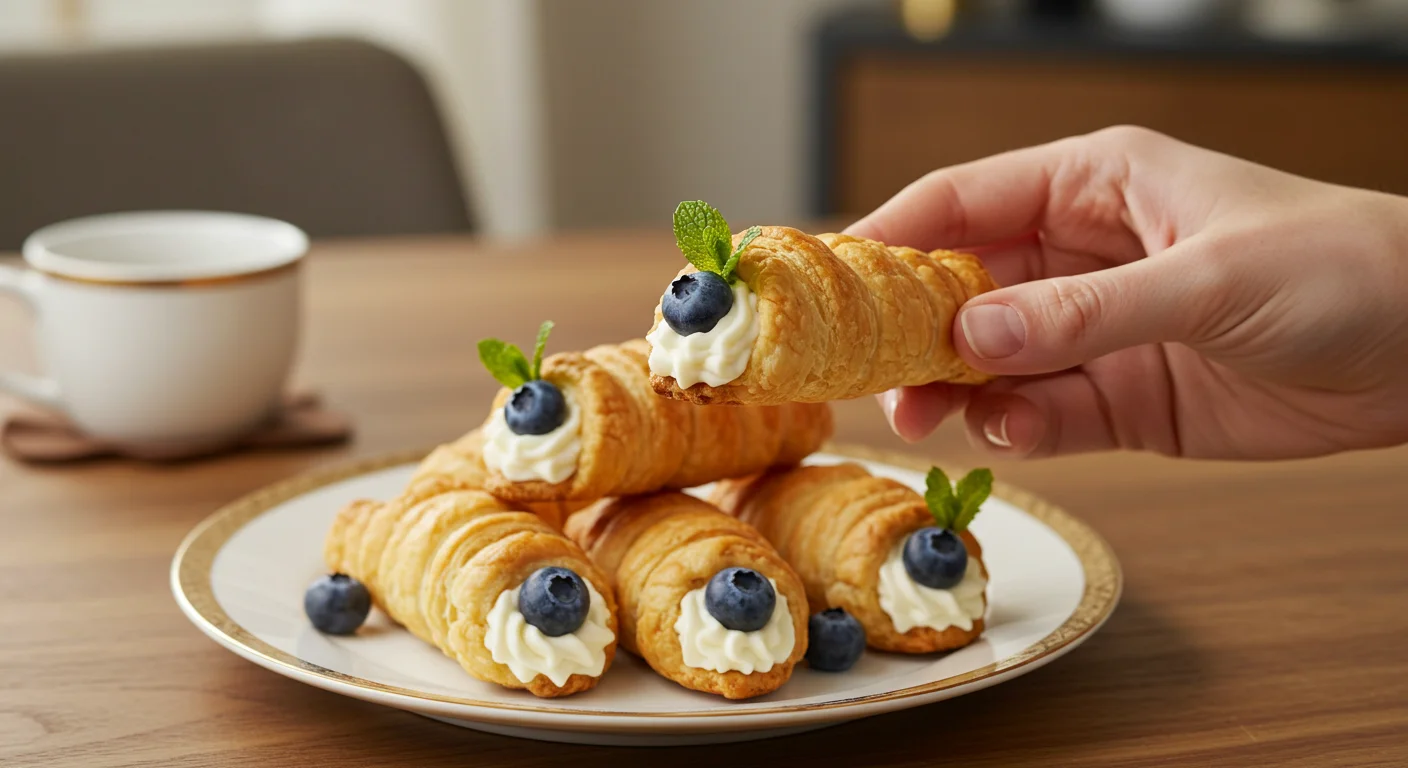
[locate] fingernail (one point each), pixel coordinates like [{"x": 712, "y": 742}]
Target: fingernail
[
  {"x": 887, "y": 404},
  {"x": 993, "y": 330},
  {"x": 995, "y": 430}
]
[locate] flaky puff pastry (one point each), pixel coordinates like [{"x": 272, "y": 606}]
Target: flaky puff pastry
[
  {"x": 841, "y": 316},
  {"x": 634, "y": 442},
  {"x": 436, "y": 562},
  {"x": 836, "y": 525},
  {"x": 655, "y": 550},
  {"x": 460, "y": 466}
]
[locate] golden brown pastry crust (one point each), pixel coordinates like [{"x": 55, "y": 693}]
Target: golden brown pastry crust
[
  {"x": 634, "y": 442},
  {"x": 435, "y": 560},
  {"x": 842, "y": 316},
  {"x": 836, "y": 525},
  {"x": 656, "y": 549}
]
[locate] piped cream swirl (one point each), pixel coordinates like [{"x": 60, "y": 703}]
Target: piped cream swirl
[
  {"x": 714, "y": 357},
  {"x": 910, "y": 604},
  {"x": 707, "y": 644},
  {"x": 527, "y": 652},
  {"x": 551, "y": 457}
]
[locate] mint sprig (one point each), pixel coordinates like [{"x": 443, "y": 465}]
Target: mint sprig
[
  {"x": 703, "y": 236},
  {"x": 955, "y": 507},
  {"x": 507, "y": 363},
  {"x": 538, "y": 347}
]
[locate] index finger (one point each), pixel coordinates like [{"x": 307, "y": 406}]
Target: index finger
[{"x": 984, "y": 201}]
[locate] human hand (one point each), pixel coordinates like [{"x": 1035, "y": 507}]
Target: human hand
[{"x": 1163, "y": 297}]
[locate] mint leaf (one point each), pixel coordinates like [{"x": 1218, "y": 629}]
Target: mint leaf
[
  {"x": 972, "y": 491},
  {"x": 505, "y": 362},
  {"x": 703, "y": 236},
  {"x": 723, "y": 249},
  {"x": 938, "y": 494},
  {"x": 536, "y": 372},
  {"x": 748, "y": 238}
]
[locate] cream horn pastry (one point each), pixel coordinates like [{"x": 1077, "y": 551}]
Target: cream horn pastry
[
  {"x": 774, "y": 315},
  {"x": 580, "y": 426},
  {"x": 705, "y": 600},
  {"x": 497, "y": 589},
  {"x": 904, "y": 565}
]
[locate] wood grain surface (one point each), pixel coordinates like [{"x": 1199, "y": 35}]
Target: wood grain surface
[{"x": 1263, "y": 621}]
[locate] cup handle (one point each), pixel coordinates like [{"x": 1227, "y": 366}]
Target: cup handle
[{"x": 24, "y": 285}]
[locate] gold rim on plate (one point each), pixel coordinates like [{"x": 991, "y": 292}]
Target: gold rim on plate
[{"x": 191, "y": 574}]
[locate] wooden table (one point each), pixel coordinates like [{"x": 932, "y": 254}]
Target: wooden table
[{"x": 1263, "y": 622}]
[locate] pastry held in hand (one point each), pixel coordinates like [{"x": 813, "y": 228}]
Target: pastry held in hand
[
  {"x": 451, "y": 566},
  {"x": 810, "y": 319},
  {"x": 618, "y": 438},
  {"x": 663, "y": 553},
  {"x": 846, "y": 531}
]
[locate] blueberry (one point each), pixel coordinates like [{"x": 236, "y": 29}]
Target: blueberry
[
  {"x": 835, "y": 640},
  {"x": 555, "y": 600},
  {"x": 337, "y": 604},
  {"x": 536, "y": 408},
  {"x": 696, "y": 302},
  {"x": 935, "y": 557},
  {"x": 740, "y": 598}
]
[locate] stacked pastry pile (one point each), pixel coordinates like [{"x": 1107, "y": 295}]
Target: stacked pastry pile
[{"x": 528, "y": 549}]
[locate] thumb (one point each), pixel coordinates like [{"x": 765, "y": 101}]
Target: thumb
[{"x": 1058, "y": 323}]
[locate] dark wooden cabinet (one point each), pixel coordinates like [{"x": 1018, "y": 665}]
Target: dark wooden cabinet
[{"x": 891, "y": 109}]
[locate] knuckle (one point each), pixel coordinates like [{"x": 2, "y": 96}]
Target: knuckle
[
  {"x": 1072, "y": 308},
  {"x": 946, "y": 197},
  {"x": 1228, "y": 292},
  {"x": 1127, "y": 137},
  {"x": 1209, "y": 263}
]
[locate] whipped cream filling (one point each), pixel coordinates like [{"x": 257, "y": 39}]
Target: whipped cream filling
[
  {"x": 527, "y": 652},
  {"x": 714, "y": 357},
  {"x": 707, "y": 644},
  {"x": 551, "y": 458},
  {"x": 910, "y": 604}
]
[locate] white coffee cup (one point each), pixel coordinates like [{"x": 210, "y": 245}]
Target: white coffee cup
[{"x": 168, "y": 331}]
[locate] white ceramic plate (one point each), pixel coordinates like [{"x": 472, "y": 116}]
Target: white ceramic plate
[{"x": 241, "y": 574}]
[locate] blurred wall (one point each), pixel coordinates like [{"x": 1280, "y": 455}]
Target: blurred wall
[
  {"x": 32, "y": 24},
  {"x": 655, "y": 101},
  {"x": 565, "y": 113}
]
